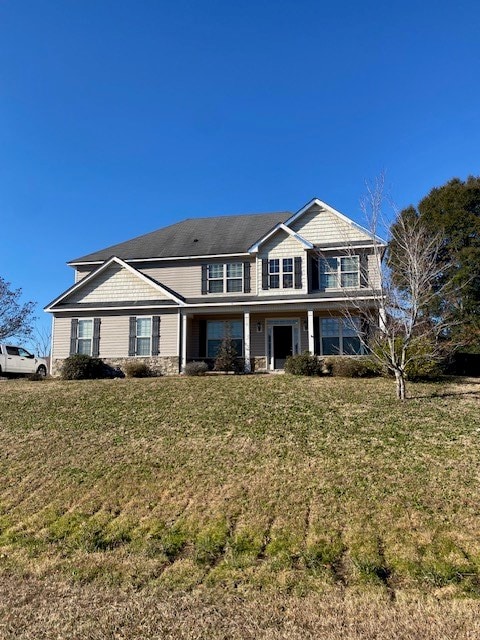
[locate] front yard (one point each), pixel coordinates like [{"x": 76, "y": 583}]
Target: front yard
[{"x": 286, "y": 487}]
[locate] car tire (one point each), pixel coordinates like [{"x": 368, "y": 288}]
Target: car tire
[{"x": 42, "y": 371}]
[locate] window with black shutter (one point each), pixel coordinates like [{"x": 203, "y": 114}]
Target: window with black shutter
[
  {"x": 246, "y": 277},
  {"x": 96, "y": 337},
  {"x": 298, "y": 273}
]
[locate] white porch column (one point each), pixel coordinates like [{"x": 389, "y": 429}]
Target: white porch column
[
  {"x": 246, "y": 341},
  {"x": 311, "y": 336},
  {"x": 183, "y": 342}
]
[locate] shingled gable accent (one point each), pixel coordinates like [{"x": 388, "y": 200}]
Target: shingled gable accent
[
  {"x": 281, "y": 227},
  {"x": 102, "y": 268},
  {"x": 286, "y": 225},
  {"x": 336, "y": 213}
]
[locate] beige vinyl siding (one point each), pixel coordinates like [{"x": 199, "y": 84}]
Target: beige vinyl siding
[
  {"x": 257, "y": 338},
  {"x": 61, "y": 337},
  {"x": 320, "y": 226},
  {"x": 185, "y": 277},
  {"x": 373, "y": 272},
  {"x": 303, "y": 336},
  {"x": 169, "y": 334},
  {"x": 114, "y": 284},
  {"x": 114, "y": 332},
  {"x": 281, "y": 245},
  {"x": 81, "y": 272}
]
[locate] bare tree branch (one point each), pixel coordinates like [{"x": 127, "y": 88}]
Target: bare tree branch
[
  {"x": 394, "y": 311},
  {"x": 15, "y": 318}
]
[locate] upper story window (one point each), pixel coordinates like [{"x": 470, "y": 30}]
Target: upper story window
[
  {"x": 85, "y": 337},
  {"x": 280, "y": 273},
  {"x": 225, "y": 278},
  {"x": 342, "y": 272}
]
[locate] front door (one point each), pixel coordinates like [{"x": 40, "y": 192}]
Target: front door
[{"x": 282, "y": 345}]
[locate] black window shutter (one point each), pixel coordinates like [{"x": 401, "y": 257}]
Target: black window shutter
[
  {"x": 73, "y": 336},
  {"x": 314, "y": 280},
  {"x": 204, "y": 279},
  {"x": 96, "y": 337},
  {"x": 132, "y": 336},
  {"x": 202, "y": 338},
  {"x": 363, "y": 270},
  {"x": 264, "y": 273},
  {"x": 246, "y": 277},
  {"x": 298, "y": 273},
  {"x": 155, "y": 335}
]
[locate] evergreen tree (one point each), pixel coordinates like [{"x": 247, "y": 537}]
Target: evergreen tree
[
  {"x": 454, "y": 210},
  {"x": 226, "y": 359}
]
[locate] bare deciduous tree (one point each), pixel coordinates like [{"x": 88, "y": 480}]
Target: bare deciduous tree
[
  {"x": 397, "y": 328},
  {"x": 16, "y": 318},
  {"x": 41, "y": 340}
]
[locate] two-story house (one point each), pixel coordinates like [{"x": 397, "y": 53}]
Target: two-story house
[{"x": 277, "y": 283}]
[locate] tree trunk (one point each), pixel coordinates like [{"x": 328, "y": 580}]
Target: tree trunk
[{"x": 400, "y": 382}]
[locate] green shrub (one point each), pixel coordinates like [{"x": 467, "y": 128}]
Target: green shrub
[
  {"x": 196, "y": 368},
  {"x": 424, "y": 361},
  {"x": 304, "y": 364},
  {"x": 138, "y": 369},
  {"x": 352, "y": 366},
  {"x": 82, "y": 367}
]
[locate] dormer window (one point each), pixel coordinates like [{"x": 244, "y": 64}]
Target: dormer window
[
  {"x": 340, "y": 273},
  {"x": 280, "y": 273}
]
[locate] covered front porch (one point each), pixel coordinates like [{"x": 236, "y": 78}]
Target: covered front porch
[{"x": 264, "y": 339}]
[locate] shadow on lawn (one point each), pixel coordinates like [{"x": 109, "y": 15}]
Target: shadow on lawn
[{"x": 450, "y": 393}]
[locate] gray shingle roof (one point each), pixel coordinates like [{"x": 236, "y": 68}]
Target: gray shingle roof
[{"x": 194, "y": 237}]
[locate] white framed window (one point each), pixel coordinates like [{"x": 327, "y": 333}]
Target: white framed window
[
  {"x": 143, "y": 338},
  {"x": 226, "y": 277},
  {"x": 280, "y": 273},
  {"x": 217, "y": 330},
  {"x": 85, "y": 337},
  {"x": 340, "y": 272},
  {"x": 340, "y": 336}
]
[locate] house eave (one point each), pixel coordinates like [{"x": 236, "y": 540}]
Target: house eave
[{"x": 164, "y": 258}]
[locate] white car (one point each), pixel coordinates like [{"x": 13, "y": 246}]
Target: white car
[{"x": 19, "y": 361}]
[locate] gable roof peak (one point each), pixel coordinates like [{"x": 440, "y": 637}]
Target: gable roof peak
[{"x": 103, "y": 267}]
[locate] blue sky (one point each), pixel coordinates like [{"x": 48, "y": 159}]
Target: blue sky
[{"x": 119, "y": 117}]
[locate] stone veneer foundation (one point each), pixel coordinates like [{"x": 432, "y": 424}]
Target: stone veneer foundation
[{"x": 165, "y": 366}]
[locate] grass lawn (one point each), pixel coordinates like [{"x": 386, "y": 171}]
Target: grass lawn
[{"x": 244, "y": 502}]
